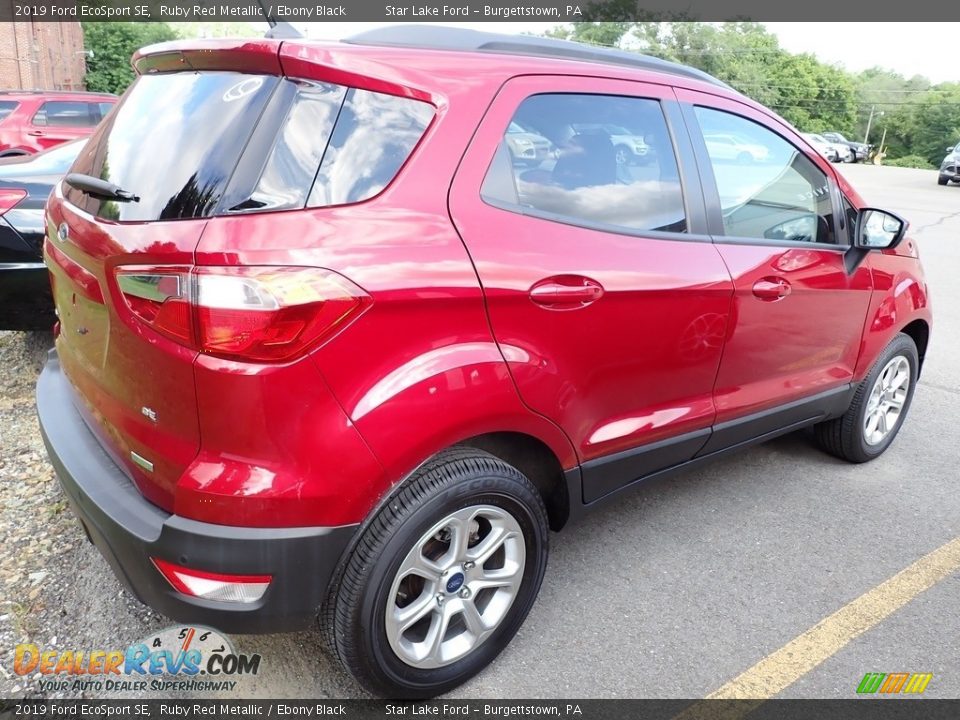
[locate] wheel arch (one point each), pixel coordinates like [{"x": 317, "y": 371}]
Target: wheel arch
[
  {"x": 537, "y": 461},
  {"x": 919, "y": 332}
]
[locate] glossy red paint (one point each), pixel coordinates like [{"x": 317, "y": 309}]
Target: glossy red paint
[
  {"x": 670, "y": 337},
  {"x": 124, "y": 373},
  {"x": 624, "y": 370}
]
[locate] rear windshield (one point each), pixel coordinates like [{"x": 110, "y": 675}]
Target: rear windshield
[
  {"x": 193, "y": 145},
  {"x": 6, "y": 107}
]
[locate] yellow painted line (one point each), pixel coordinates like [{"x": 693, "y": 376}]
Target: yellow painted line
[{"x": 785, "y": 666}]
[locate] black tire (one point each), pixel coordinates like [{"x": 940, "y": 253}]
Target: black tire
[
  {"x": 942, "y": 180},
  {"x": 843, "y": 437},
  {"x": 353, "y": 617}
]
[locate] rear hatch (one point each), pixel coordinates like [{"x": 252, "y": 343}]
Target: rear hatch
[
  {"x": 206, "y": 132},
  {"x": 174, "y": 143}
]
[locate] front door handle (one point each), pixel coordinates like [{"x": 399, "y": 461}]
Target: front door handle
[
  {"x": 771, "y": 289},
  {"x": 35, "y": 133},
  {"x": 566, "y": 292}
]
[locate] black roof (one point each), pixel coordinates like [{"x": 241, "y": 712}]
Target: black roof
[{"x": 431, "y": 37}]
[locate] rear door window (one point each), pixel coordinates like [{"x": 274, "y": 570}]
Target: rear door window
[
  {"x": 59, "y": 113},
  {"x": 600, "y": 161}
]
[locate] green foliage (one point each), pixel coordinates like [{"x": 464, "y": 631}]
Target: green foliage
[
  {"x": 113, "y": 44},
  {"x": 910, "y": 161},
  {"x": 919, "y": 119}
]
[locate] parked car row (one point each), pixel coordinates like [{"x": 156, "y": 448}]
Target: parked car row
[
  {"x": 343, "y": 347},
  {"x": 25, "y": 185},
  {"x": 859, "y": 152}
]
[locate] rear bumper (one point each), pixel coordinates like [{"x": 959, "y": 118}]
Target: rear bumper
[{"x": 128, "y": 530}]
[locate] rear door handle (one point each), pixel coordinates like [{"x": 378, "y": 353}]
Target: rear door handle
[
  {"x": 771, "y": 289},
  {"x": 35, "y": 133},
  {"x": 566, "y": 292}
]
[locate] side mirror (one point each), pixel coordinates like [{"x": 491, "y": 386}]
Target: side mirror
[
  {"x": 878, "y": 229},
  {"x": 950, "y": 149}
]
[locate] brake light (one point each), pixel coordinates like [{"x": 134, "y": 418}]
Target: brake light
[
  {"x": 213, "y": 586},
  {"x": 259, "y": 314},
  {"x": 9, "y": 198}
]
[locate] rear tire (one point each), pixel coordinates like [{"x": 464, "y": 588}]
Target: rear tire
[
  {"x": 414, "y": 554},
  {"x": 861, "y": 434}
]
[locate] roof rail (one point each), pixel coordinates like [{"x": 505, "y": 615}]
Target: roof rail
[
  {"x": 461, "y": 39},
  {"x": 56, "y": 92}
]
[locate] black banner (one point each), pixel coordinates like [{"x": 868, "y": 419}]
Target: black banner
[
  {"x": 853, "y": 709},
  {"x": 474, "y": 11}
]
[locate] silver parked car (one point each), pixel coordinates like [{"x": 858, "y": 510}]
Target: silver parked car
[{"x": 950, "y": 167}]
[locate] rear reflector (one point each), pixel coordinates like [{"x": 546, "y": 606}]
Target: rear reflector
[
  {"x": 9, "y": 198},
  {"x": 213, "y": 586},
  {"x": 254, "y": 314}
]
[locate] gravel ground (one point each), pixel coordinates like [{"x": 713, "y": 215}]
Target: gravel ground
[{"x": 44, "y": 557}]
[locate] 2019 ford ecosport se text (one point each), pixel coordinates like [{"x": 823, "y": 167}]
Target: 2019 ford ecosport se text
[{"x": 328, "y": 351}]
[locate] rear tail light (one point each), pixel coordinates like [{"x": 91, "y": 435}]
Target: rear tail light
[
  {"x": 9, "y": 198},
  {"x": 259, "y": 314},
  {"x": 213, "y": 586}
]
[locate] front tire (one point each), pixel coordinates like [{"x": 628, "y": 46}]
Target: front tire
[
  {"x": 942, "y": 180},
  {"x": 879, "y": 406},
  {"x": 441, "y": 578}
]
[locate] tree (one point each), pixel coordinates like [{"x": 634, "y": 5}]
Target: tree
[
  {"x": 810, "y": 94},
  {"x": 113, "y": 44}
]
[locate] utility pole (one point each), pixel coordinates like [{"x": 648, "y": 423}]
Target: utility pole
[{"x": 866, "y": 135}]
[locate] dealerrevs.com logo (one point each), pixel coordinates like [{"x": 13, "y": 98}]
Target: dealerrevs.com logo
[{"x": 186, "y": 658}]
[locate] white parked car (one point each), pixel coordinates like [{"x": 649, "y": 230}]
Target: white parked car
[{"x": 731, "y": 147}]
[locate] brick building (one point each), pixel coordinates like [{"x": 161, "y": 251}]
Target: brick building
[{"x": 41, "y": 56}]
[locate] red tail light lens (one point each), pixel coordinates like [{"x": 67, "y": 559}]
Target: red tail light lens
[
  {"x": 259, "y": 314},
  {"x": 9, "y": 198}
]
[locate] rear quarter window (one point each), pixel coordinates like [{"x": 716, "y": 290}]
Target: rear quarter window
[{"x": 374, "y": 136}]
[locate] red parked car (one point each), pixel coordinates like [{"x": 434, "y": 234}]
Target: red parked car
[
  {"x": 327, "y": 350},
  {"x": 31, "y": 121}
]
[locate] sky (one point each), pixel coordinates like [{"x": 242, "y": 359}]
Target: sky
[{"x": 907, "y": 48}]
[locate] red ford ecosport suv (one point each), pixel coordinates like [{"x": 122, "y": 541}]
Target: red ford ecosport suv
[
  {"x": 331, "y": 346},
  {"x": 35, "y": 120}
]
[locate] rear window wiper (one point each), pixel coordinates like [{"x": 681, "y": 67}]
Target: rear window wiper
[{"x": 99, "y": 188}]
